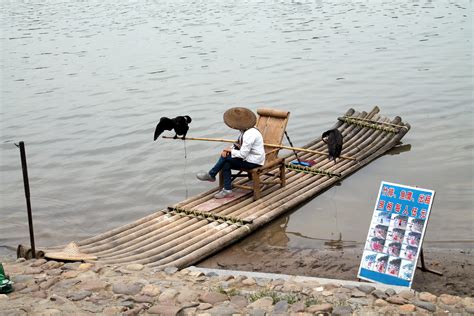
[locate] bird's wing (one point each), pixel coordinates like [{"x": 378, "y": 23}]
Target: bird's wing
[{"x": 164, "y": 124}]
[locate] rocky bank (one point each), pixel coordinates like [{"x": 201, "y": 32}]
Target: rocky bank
[{"x": 56, "y": 288}]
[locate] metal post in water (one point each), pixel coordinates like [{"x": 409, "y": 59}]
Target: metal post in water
[{"x": 27, "y": 196}]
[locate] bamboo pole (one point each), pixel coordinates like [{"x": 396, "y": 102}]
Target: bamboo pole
[
  {"x": 195, "y": 243},
  {"x": 160, "y": 219},
  {"x": 120, "y": 229},
  {"x": 163, "y": 252},
  {"x": 265, "y": 144},
  {"x": 164, "y": 222},
  {"x": 135, "y": 243},
  {"x": 160, "y": 248},
  {"x": 207, "y": 249}
]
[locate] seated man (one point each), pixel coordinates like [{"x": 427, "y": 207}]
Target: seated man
[{"x": 247, "y": 153}]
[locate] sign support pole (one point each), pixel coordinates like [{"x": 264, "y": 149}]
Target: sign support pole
[{"x": 423, "y": 267}]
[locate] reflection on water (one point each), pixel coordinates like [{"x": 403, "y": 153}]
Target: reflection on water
[
  {"x": 399, "y": 149},
  {"x": 84, "y": 84},
  {"x": 276, "y": 234}
]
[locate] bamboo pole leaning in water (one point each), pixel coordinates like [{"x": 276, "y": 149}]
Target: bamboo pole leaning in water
[{"x": 268, "y": 145}]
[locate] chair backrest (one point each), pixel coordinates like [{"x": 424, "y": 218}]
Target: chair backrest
[{"x": 272, "y": 124}]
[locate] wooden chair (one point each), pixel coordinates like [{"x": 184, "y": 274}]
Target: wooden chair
[{"x": 272, "y": 124}]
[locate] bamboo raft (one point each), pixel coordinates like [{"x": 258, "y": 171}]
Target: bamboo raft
[{"x": 189, "y": 231}]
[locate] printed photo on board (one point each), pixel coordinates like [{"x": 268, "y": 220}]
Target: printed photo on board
[
  {"x": 412, "y": 239},
  {"x": 380, "y": 231},
  {"x": 393, "y": 248},
  {"x": 399, "y": 221},
  {"x": 375, "y": 244},
  {"x": 393, "y": 267},
  {"x": 415, "y": 224},
  {"x": 382, "y": 218},
  {"x": 406, "y": 269},
  {"x": 368, "y": 262},
  {"x": 381, "y": 263},
  {"x": 408, "y": 252},
  {"x": 395, "y": 234}
]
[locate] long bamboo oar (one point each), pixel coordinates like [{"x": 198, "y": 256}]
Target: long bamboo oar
[{"x": 268, "y": 145}]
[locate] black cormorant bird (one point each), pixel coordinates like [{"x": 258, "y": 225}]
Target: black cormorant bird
[
  {"x": 333, "y": 138},
  {"x": 179, "y": 124}
]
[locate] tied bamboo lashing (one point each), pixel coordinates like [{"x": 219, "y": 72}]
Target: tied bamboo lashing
[
  {"x": 210, "y": 216},
  {"x": 372, "y": 124},
  {"x": 300, "y": 168}
]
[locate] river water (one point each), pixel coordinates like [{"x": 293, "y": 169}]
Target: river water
[{"x": 84, "y": 83}]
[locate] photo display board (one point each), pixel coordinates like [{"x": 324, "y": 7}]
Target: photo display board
[{"x": 396, "y": 234}]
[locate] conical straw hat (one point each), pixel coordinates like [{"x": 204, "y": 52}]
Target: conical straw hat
[
  {"x": 70, "y": 252},
  {"x": 240, "y": 118}
]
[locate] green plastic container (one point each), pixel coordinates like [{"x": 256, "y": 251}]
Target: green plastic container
[{"x": 5, "y": 284}]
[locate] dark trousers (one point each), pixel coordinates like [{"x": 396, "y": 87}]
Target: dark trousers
[{"x": 226, "y": 165}]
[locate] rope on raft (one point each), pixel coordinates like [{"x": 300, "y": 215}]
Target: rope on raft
[
  {"x": 376, "y": 122},
  {"x": 208, "y": 216},
  {"x": 373, "y": 124},
  {"x": 312, "y": 170}
]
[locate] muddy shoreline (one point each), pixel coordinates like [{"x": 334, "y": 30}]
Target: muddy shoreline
[{"x": 457, "y": 265}]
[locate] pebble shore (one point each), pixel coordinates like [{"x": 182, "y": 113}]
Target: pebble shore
[{"x": 50, "y": 288}]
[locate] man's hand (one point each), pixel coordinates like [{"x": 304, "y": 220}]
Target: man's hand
[{"x": 225, "y": 152}]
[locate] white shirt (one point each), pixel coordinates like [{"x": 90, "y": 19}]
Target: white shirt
[{"x": 252, "y": 149}]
